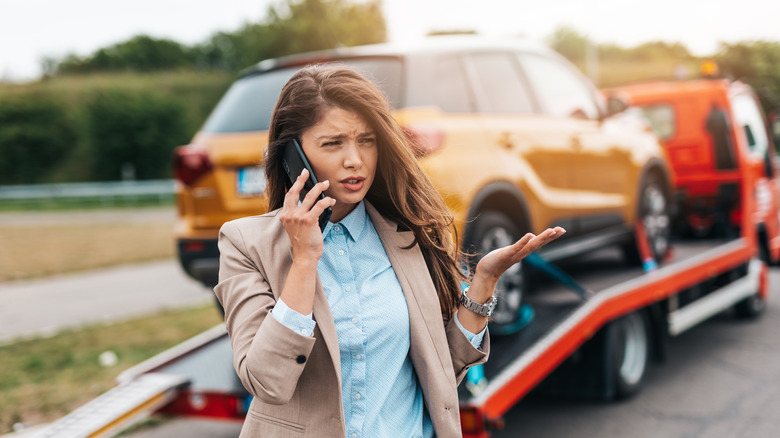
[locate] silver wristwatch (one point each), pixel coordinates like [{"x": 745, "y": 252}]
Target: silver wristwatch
[{"x": 478, "y": 308}]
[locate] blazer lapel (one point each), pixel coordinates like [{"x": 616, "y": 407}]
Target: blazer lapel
[
  {"x": 421, "y": 297},
  {"x": 327, "y": 327}
]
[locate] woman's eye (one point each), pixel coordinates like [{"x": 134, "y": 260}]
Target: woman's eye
[
  {"x": 331, "y": 143},
  {"x": 368, "y": 140}
]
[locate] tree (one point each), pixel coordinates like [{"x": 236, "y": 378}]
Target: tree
[
  {"x": 291, "y": 26},
  {"x": 297, "y": 26},
  {"x": 569, "y": 43},
  {"x": 140, "y": 53},
  {"x": 755, "y": 63}
]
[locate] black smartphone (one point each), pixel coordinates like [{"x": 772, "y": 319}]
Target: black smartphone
[{"x": 294, "y": 161}]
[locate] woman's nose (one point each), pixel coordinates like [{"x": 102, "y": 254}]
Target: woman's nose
[{"x": 352, "y": 157}]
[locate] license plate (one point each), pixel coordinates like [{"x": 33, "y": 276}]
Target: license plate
[{"x": 251, "y": 181}]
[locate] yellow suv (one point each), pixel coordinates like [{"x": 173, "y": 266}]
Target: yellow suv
[{"x": 513, "y": 136}]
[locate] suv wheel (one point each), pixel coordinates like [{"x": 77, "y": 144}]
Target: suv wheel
[
  {"x": 492, "y": 230},
  {"x": 654, "y": 213}
]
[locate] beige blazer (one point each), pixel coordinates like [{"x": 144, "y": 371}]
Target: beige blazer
[{"x": 296, "y": 379}]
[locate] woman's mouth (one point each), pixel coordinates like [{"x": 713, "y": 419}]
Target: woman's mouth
[{"x": 353, "y": 183}]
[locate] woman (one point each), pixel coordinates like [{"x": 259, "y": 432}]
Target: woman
[{"x": 358, "y": 329}]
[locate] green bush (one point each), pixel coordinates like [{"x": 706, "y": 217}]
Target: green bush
[
  {"x": 135, "y": 129},
  {"x": 36, "y": 134},
  {"x": 71, "y": 128}
]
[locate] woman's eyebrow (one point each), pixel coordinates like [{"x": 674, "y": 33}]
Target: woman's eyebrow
[{"x": 341, "y": 136}]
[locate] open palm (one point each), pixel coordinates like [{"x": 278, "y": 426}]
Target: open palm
[{"x": 496, "y": 262}]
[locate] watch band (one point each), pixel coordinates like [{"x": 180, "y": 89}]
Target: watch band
[{"x": 478, "y": 308}]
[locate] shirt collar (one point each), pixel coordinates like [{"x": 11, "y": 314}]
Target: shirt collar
[{"x": 353, "y": 223}]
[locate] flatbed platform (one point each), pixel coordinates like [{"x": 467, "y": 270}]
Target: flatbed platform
[{"x": 563, "y": 320}]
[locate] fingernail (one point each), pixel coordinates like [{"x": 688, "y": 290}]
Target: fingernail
[{"x": 326, "y": 182}]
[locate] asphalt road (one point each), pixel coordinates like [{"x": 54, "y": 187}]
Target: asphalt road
[
  {"x": 721, "y": 380},
  {"x": 46, "y": 306}
]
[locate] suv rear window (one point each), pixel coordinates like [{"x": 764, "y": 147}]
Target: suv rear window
[{"x": 248, "y": 104}]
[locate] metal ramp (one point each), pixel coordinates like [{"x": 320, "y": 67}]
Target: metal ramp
[{"x": 117, "y": 408}]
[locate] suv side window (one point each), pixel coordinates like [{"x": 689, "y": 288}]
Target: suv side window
[
  {"x": 451, "y": 89},
  {"x": 498, "y": 84},
  {"x": 560, "y": 91}
]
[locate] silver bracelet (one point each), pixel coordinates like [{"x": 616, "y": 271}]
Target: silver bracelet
[{"x": 478, "y": 308}]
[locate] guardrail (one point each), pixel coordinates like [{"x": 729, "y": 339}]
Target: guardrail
[{"x": 101, "y": 193}]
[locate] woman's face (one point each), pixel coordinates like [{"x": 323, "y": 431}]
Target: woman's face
[{"x": 342, "y": 149}]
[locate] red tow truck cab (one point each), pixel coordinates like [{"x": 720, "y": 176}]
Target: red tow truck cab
[{"x": 711, "y": 129}]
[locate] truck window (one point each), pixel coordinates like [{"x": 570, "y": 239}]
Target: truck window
[
  {"x": 662, "y": 120},
  {"x": 747, "y": 115},
  {"x": 561, "y": 92},
  {"x": 498, "y": 86}
]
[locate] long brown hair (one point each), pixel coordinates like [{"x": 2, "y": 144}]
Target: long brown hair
[{"x": 401, "y": 191}]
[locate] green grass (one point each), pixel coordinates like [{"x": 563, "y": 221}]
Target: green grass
[{"x": 43, "y": 379}]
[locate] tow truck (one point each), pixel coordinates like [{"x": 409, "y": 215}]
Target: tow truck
[
  {"x": 594, "y": 333},
  {"x": 598, "y": 342}
]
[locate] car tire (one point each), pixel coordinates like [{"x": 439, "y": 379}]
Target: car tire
[
  {"x": 753, "y": 306},
  {"x": 627, "y": 354},
  {"x": 654, "y": 211},
  {"x": 489, "y": 231}
]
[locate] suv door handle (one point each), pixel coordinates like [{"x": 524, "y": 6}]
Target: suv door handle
[
  {"x": 576, "y": 144},
  {"x": 505, "y": 140}
]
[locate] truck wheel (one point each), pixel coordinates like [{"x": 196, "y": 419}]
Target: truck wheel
[
  {"x": 491, "y": 230},
  {"x": 753, "y": 306},
  {"x": 628, "y": 353},
  {"x": 654, "y": 213}
]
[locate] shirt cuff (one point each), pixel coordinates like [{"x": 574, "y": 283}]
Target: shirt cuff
[
  {"x": 297, "y": 322},
  {"x": 475, "y": 339}
]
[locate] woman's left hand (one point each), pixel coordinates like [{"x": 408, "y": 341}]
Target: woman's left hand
[{"x": 496, "y": 262}]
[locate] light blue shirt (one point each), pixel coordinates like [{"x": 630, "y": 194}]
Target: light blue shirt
[{"x": 380, "y": 391}]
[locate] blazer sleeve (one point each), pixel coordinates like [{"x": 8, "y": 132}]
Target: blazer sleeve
[
  {"x": 268, "y": 357},
  {"x": 463, "y": 353}
]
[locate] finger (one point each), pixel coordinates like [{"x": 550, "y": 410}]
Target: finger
[
  {"x": 314, "y": 193},
  {"x": 530, "y": 243},
  {"x": 551, "y": 234},
  {"x": 321, "y": 205},
  {"x": 523, "y": 242},
  {"x": 294, "y": 193},
  {"x": 544, "y": 238}
]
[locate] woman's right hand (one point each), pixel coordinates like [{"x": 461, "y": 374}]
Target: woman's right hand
[{"x": 302, "y": 221}]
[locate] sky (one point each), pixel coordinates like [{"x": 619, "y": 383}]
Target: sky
[{"x": 33, "y": 29}]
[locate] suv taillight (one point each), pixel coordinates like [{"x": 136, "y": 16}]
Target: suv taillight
[
  {"x": 189, "y": 164},
  {"x": 424, "y": 139}
]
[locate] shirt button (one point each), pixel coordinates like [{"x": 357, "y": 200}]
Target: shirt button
[
  {"x": 357, "y": 396},
  {"x": 354, "y": 435},
  {"x": 354, "y": 320},
  {"x": 303, "y": 331},
  {"x": 348, "y": 288},
  {"x": 337, "y": 228},
  {"x": 357, "y": 356},
  {"x": 341, "y": 252}
]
